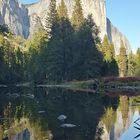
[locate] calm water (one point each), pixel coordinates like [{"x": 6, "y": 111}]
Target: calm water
[{"x": 27, "y": 114}]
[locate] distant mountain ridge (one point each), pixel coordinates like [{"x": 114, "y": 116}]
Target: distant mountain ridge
[{"x": 23, "y": 19}]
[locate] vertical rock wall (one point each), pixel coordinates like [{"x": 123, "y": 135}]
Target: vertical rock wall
[{"x": 24, "y": 19}]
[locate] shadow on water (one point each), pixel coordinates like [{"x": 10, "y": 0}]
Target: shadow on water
[{"x": 36, "y": 111}]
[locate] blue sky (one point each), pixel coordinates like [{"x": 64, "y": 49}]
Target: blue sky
[
  {"x": 124, "y": 14},
  {"x": 28, "y": 1}
]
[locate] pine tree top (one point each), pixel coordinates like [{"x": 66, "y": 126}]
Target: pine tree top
[
  {"x": 122, "y": 49},
  {"x": 77, "y": 15},
  {"x": 62, "y": 10}
]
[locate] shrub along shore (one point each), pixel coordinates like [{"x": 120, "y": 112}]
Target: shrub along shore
[{"x": 115, "y": 84}]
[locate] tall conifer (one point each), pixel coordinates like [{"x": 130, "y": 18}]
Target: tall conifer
[
  {"x": 137, "y": 61},
  {"x": 110, "y": 67},
  {"x": 77, "y": 15},
  {"x": 51, "y": 18},
  {"x": 107, "y": 49},
  {"x": 123, "y": 62},
  {"x": 62, "y": 10},
  {"x": 131, "y": 64}
]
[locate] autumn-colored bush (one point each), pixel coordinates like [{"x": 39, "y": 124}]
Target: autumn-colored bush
[{"x": 121, "y": 79}]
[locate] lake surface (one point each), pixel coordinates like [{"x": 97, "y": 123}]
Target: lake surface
[{"x": 32, "y": 114}]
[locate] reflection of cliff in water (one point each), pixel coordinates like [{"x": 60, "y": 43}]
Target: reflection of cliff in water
[
  {"x": 116, "y": 123},
  {"x": 33, "y": 119}
]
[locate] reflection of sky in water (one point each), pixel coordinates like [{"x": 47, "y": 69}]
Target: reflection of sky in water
[{"x": 132, "y": 132}]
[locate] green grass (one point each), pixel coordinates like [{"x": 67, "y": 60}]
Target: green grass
[
  {"x": 88, "y": 86},
  {"x": 79, "y": 85}
]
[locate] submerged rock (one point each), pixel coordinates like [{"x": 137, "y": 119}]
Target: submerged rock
[
  {"x": 31, "y": 96},
  {"x": 62, "y": 117},
  {"x": 41, "y": 111},
  {"x": 13, "y": 95},
  {"x": 68, "y": 125}
]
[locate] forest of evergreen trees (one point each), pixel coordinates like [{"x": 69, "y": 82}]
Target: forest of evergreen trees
[{"x": 67, "y": 49}]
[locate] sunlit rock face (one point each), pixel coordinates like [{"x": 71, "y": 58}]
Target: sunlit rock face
[
  {"x": 116, "y": 36},
  {"x": 24, "y": 19},
  {"x": 98, "y": 10},
  {"x": 15, "y": 16},
  {"x": 95, "y": 7}
]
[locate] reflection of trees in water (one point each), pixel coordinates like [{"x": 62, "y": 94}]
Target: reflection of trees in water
[
  {"x": 124, "y": 107},
  {"x": 21, "y": 113},
  {"x": 109, "y": 119},
  {"x": 82, "y": 109},
  {"x": 99, "y": 131},
  {"x": 135, "y": 102}
]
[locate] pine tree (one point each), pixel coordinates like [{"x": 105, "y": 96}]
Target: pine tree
[
  {"x": 113, "y": 68},
  {"x": 137, "y": 61},
  {"x": 51, "y": 18},
  {"x": 77, "y": 15},
  {"x": 59, "y": 51},
  {"x": 131, "y": 64},
  {"x": 2, "y": 65},
  {"x": 107, "y": 49},
  {"x": 62, "y": 10},
  {"x": 138, "y": 54},
  {"x": 36, "y": 57},
  {"x": 112, "y": 48},
  {"x": 110, "y": 67},
  {"x": 87, "y": 58},
  {"x": 123, "y": 62},
  {"x": 4, "y": 30}
]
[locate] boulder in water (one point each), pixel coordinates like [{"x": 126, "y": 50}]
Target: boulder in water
[
  {"x": 68, "y": 125},
  {"x": 41, "y": 111},
  {"x": 62, "y": 117}
]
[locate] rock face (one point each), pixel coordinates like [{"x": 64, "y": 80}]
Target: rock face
[
  {"x": 15, "y": 16},
  {"x": 23, "y": 20},
  {"x": 95, "y": 7},
  {"x": 116, "y": 36},
  {"x": 123, "y": 128}
]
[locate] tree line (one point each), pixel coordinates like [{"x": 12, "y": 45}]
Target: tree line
[{"x": 66, "y": 49}]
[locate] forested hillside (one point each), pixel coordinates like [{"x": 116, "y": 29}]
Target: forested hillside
[{"x": 66, "y": 50}]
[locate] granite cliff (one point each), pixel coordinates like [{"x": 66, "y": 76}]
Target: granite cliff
[
  {"x": 116, "y": 36},
  {"x": 23, "y": 19},
  {"x": 15, "y": 16}
]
